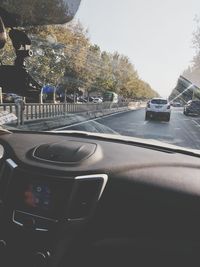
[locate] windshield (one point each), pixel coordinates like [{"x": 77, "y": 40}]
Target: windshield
[
  {"x": 101, "y": 71},
  {"x": 159, "y": 101}
]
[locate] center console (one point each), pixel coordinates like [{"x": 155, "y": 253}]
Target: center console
[{"x": 40, "y": 210}]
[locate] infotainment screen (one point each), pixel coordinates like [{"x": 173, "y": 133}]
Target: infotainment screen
[
  {"x": 45, "y": 196},
  {"x": 37, "y": 195}
]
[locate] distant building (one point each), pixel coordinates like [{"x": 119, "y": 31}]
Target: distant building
[{"x": 184, "y": 91}]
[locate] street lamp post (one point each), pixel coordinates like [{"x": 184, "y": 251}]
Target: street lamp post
[{"x": 41, "y": 96}]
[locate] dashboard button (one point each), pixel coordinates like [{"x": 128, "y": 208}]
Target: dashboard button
[{"x": 3, "y": 245}]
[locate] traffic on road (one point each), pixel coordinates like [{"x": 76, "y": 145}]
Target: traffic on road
[
  {"x": 181, "y": 130},
  {"x": 158, "y": 108}
]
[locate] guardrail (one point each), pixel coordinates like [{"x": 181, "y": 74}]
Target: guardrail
[{"x": 35, "y": 111}]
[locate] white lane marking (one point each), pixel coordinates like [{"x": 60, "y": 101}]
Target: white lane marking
[
  {"x": 80, "y": 123},
  {"x": 110, "y": 115}
]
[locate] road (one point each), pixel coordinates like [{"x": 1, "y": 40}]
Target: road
[{"x": 181, "y": 130}]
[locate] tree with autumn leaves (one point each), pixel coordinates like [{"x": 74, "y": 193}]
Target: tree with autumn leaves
[{"x": 64, "y": 57}]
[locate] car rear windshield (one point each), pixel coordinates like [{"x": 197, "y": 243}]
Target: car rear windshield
[{"x": 159, "y": 101}]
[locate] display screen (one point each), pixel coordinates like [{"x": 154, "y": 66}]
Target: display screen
[{"x": 38, "y": 196}]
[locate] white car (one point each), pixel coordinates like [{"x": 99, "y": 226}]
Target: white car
[
  {"x": 158, "y": 107},
  {"x": 97, "y": 100}
]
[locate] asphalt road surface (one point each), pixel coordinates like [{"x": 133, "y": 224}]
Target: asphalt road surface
[{"x": 181, "y": 130}]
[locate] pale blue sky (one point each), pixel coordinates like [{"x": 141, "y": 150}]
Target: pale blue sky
[{"x": 155, "y": 34}]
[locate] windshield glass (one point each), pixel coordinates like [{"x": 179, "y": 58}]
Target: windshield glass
[
  {"x": 101, "y": 71},
  {"x": 159, "y": 101}
]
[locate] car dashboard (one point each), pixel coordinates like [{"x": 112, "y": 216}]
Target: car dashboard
[{"x": 67, "y": 199}]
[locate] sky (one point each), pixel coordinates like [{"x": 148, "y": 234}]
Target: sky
[{"x": 155, "y": 34}]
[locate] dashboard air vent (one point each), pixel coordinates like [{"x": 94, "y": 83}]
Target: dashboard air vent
[{"x": 86, "y": 192}]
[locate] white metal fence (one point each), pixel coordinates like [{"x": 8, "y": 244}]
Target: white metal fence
[{"x": 35, "y": 111}]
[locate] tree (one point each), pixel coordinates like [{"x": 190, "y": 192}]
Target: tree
[{"x": 64, "y": 57}]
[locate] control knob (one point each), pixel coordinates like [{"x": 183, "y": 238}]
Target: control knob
[{"x": 41, "y": 258}]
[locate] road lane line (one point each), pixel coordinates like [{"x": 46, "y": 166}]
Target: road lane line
[{"x": 83, "y": 122}]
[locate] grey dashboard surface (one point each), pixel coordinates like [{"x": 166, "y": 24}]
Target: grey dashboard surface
[
  {"x": 121, "y": 162},
  {"x": 148, "y": 191}
]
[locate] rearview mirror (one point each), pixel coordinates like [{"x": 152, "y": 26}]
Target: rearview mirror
[{"x": 16, "y": 13}]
